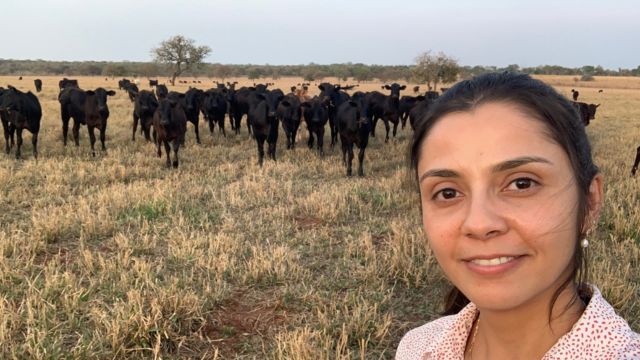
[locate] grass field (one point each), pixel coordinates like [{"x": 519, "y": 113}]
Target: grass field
[{"x": 117, "y": 257}]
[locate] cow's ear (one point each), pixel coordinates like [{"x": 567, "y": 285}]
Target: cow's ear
[
  {"x": 597, "y": 105},
  {"x": 403, "y": 87},
  {"x": 387, "y": 87},
  {"x": 90, "y": 92},
  {"x": 285, "y": 103},
  {"x": 111, "y": 93},
  {"x": 321, "y": 87}
]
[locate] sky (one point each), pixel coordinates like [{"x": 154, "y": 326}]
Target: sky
[{"x": 279, "y": 32}]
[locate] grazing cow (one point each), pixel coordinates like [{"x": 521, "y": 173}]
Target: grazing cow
[
  {"x": 575, "y": 94},
  {"x": 354, "y": 125},
  {"x": 86, "y": 108},
  {"x": 161, "y": 91},
  {"x": 169, "y": 127},
  {"x": 214, "y": 108},
  {"x": 586, "y": 111},
  {"x": 38, "y": 84},
  {"x": 416, "y": 89},
  {"x": 634, "y": 168},
  {"x": 386, "y": 107},
  {"x": 65, "y": 83},
  {"x": 132, "y": 91},
  {"x": 289, "y": 113},
  {"x": 600, "y": 90},
  {"x": 336, "y": 98},
  {"x": 406, "y": 104},
  {"x": 316, "y": 115},
  {"x": 263, "y": 120},
  {"x": 153, "y": 83},
  {"x": 144, "y": 107},
  {"x": 123, "y": 84},
  {"x": 19, "y": 111},
  {"x": 20, "y": 78}
]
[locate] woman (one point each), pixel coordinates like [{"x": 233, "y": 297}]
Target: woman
[{"x": 509, "y": 192}]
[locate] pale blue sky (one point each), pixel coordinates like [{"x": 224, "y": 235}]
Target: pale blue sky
[{"x": 496, "y": 32}]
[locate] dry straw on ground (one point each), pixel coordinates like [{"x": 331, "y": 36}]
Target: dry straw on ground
[{"x": 117, "y": 257}]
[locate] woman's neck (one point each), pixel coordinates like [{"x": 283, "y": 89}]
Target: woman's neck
[{"x": 525, "y": 332}]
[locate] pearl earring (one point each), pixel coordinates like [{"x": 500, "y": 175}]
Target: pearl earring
[{"x": 584, "y": 243}]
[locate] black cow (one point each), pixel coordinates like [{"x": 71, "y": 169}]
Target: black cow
[
  {"x": 19, "y": 111},
  {"x": 132, "y": 91},
  {"x": 418, "y": 111},
  {"x": 354, "y": 125},
  {"x": 239, "y": 106},
  {"x": 586, "y": 111},
  {"x": 431, "y": 95},
  {"x": 214, "y": 108},
  {"x": 386, "y": 107},
  {"x": 153, "y": 83},
  {"x": 406, "y": 104},
  {"x": 161, "y": 91},
  {"x": 169, "y": 127},
  {"x": 289, "y": 113},
  {"x": 231, "y": 93},
  {"x": 263, "y": 120},
  {"x": 65, "y": 83},
  {"x": 38, "y": 84},
  {"x": 336, "y": 98},
  {"x": 123, "y": 84},
  {"x": 316, "y": 115},
  {"x": 261, "y": 88},
  {"x": 575, "y": 94},
  {"x": 193, "y": 100},
  {"x": 86, "y": 108},
  {"x": 144, "y": 107},
  {"x": 634, "y": 168}
]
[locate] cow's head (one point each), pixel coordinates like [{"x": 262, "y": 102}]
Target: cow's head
[
  {"x": 100, "y": 95},
  {"x": 395, "y": 89},
  {"x": 591, "y": 108},
  {"x": 316, "y": 110}
]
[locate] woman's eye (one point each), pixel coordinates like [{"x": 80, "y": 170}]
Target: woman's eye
[
  {"x": 445, "y": 194},
  {"x": 521, "y": 184}
]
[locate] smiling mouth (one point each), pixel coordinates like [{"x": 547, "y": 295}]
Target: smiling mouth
[{"x": 492, "y": 262}]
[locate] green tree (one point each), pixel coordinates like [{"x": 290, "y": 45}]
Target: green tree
[
  {"x": 432, "y": 69},
  {"x": 182, "y": 53}
]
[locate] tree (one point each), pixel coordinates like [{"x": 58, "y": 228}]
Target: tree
[
  {"x": 182, "y": 53},
  {"x": 432, "y": 69}
]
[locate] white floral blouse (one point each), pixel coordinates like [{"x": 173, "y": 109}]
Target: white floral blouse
[{"x": 598, "y": 334}]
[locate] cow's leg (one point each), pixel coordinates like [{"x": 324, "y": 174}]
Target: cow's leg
[
  {"x": 167, "y": 149},
  {"x": 395, "y": 127},
  {"x": 221, "y": 124},
  {"x": 294, "y": 134},
  {"x": 361, "y": 161},
  {"x": 332, "y": 132},
  {"x": 350, "y": 160},
  {"x": 158, "y": 143},
  {"x": 211, "y": 126},
  {"x": 237, "y": 120},
  {"x": 310, "y": 141},
  {"x": 6, "y": 138},
  {"x": 344, "y": 152},
  {"x": 249, "y": 126},
  {"x": 373, "y": 126},
  {"x": 321, "y": 141},
  {"x": 65, "y": 130},
  {"x": 92, "y": 137},
  {"x": 147, "y": 129},
  {"x": 103, "y": 136},
  {"x": 76, "y": 132},
  {"x": 34, "y": 142},
  {"x": 195, "y": 124},
  {"x": 135, "y": 126},
  {"x": 260, "y": 142},
  {"x": 386, "y": 127},
  {"x": 176, "y": 146},
  {"x": 19, "y": 135}
]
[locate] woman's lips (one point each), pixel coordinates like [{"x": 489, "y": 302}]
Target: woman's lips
[{"x": 493, "y": 265}]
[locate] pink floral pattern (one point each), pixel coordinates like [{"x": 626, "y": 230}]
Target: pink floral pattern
[{"x": 598, "y": 334}]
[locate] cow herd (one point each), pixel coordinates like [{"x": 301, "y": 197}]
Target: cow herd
[{"x": 163, "y": 115}]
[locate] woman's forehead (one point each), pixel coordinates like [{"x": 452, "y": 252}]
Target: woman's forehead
[{"x": 491, "y": 132}]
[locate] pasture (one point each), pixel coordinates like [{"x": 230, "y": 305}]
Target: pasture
[{"x": 118, "y": 257}]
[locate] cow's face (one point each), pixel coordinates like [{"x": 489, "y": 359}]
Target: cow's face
[
  {"x": 101, "y": 100},
  {"x": 592, "y": 110},
  {"x": 316, "y": 110},
  {"x": 148, "y": 101},
  {"x": 193, "y": 99},
  {"x": 395, "y": 90},
  {"x": 165, "y": 110}
]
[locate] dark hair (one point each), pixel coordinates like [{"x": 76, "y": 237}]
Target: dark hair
[{"x": 564, "y": 126}]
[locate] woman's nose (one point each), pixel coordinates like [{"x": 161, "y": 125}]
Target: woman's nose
[{"x": 484, "y": 219}]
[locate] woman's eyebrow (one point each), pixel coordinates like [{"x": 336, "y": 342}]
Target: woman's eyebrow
[
  {"x": 514, "y": 163},
  {"x": 502, "y": 166}
]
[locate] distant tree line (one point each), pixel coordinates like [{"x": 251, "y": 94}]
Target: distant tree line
[{"x": 311, "y": 72}]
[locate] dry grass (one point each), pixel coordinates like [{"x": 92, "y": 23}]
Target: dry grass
[{"x": 116, "y": 257}]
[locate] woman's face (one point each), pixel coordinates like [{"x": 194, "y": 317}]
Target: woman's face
[{"x": 499, "y": 205}]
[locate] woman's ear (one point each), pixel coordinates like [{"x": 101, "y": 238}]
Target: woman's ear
[{"x": 595, "y": 199}]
